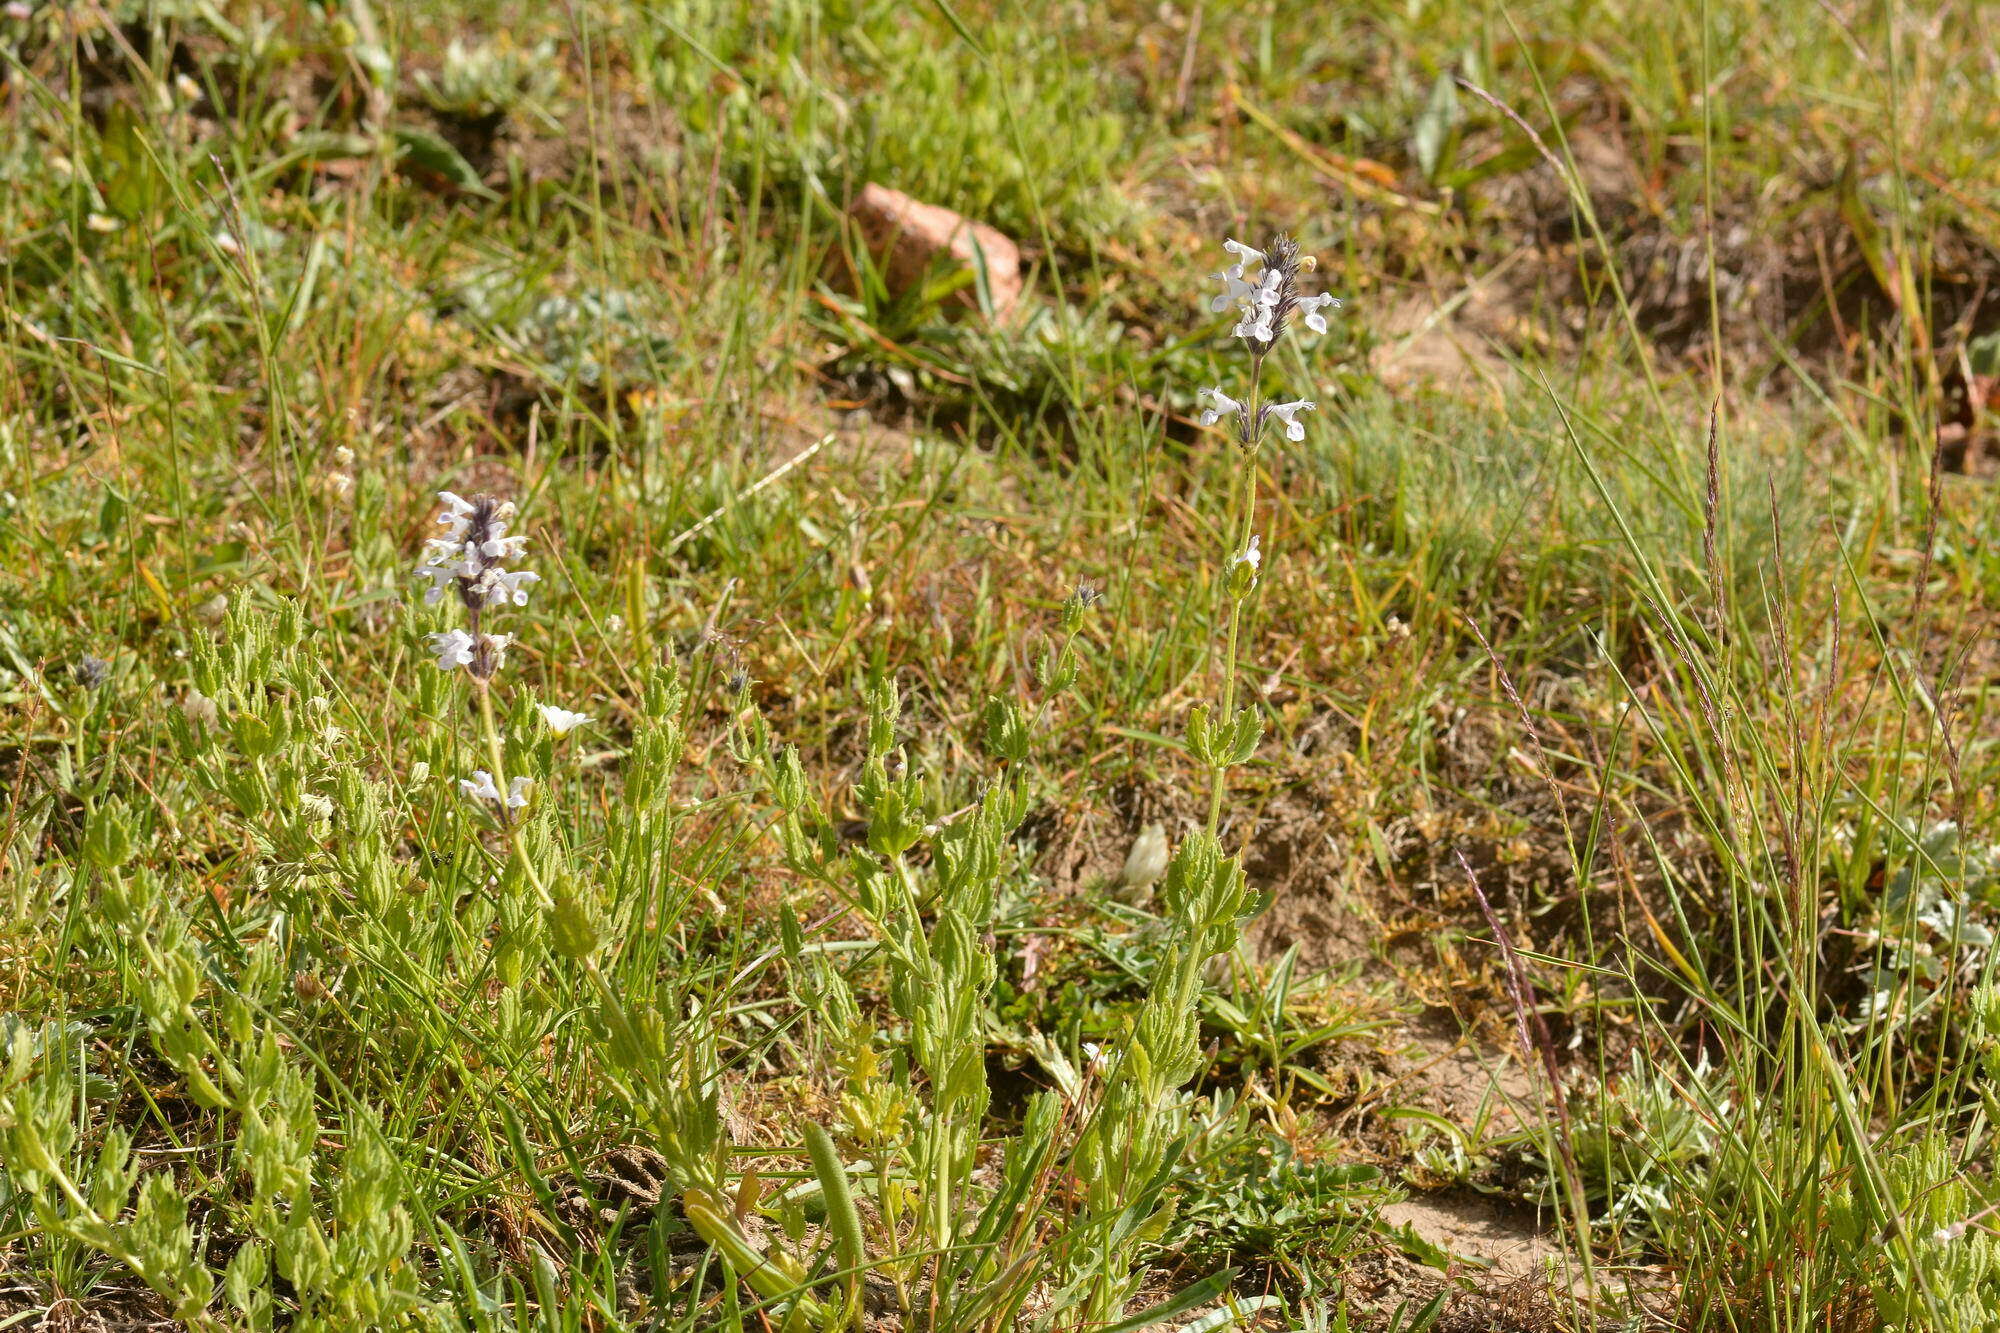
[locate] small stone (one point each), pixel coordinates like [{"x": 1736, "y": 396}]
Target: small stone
[
  {"x": 1145, "y": 863},
  {"x": 905, "y": 235}
]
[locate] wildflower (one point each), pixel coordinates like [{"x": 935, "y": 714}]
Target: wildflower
[
  {"x": 1221, "y": 405},
  {"x": 1249, "y": 555},
  {"x": 480, "y": 787},
  {"x": 509, "y": 585},
  {"x": 91, "y": 672},
  {"x": 1087, "y": 594},
  {"x": 562, "y": 721},
  {"x": 453, "y": 648},
  {"x": 1288, "y": 413},
  {"x": 101, "y": 223},
  {"x": 1310, "y": 306},
  {"x": 1946, "y": 1235}
]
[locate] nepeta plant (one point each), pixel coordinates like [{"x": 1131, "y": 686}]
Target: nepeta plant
[
  {"x": 1138, "y": 1128},
  {"x": 959, "y": 1251}
]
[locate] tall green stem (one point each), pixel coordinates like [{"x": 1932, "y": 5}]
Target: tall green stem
[{"x": 1243, "y": 516}]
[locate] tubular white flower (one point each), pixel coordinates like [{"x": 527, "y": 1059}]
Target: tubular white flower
[
  {"x": 1250, "y": 555},
  {"x": 453, "y": 648},
  {"x": 479, "y": 787},
  {"x": 1311, "y": 307},
  {"x": 1221, "y": 405},
  {"x": 561, "y": 721},
  {"x": 1288, "y": 413},
  {"x": 441, "y": 577},
  {"x": 1244, "y": 254},
  {"x": 501, "y": 585}
]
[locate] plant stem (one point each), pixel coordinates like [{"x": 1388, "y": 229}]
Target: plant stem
[{"x": 1242, "y": 517}]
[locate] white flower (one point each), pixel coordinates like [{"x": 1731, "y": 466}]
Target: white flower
[
  {"x": 496, "y": 647},
  {"x": 1311, "y": 306},
  {"x": 1244, "y": 255},
  {"x": 456, "y": 519},
  {"x": 1260, "y": 308},
  {"x": 561, "y": 721},
  {"x": 1946, "y": 1235},
  {"x": 453, "y": 648},
  {"x": 1250, "y": 555},
  {"x": 1236, "y": 289},
  {"x": 479, "y": 787},
  {"x": 509, "y": 585},
  {"x": 1288, "y": 413},
  {"x": 1221, "y": 405}
]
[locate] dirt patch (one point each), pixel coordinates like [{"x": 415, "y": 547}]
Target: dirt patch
[{"x": 1506, "y": 1242}]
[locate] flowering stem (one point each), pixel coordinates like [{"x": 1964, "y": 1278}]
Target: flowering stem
[{"x": 1243, "y": 514}]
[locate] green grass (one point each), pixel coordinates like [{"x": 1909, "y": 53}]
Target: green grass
[{"x": 1620, "y": 689}]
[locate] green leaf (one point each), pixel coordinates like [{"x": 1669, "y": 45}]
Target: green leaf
[
  {"x": 1201, "y": 1293},
  {"x": 1434, "y": 141},
  {"x": 435, "y": 157}
]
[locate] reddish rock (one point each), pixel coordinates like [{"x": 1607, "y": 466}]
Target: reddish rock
[{"x": 905, "y": 236}]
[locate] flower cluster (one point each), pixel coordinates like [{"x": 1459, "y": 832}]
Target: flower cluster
[
  {"x": 467, "y": 560},
  {"x": 1268, "y": 298},
  {"x": 1263, "y": 285},
  {"x": 1251, "y": 429},
  {"x": 480, "y": 787}
]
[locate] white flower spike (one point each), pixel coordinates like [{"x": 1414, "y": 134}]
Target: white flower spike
[
  {"x": 466, "y": 560},
  {"x": 561, "y": 721},
  {"x": 1263, "y": 286}
]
